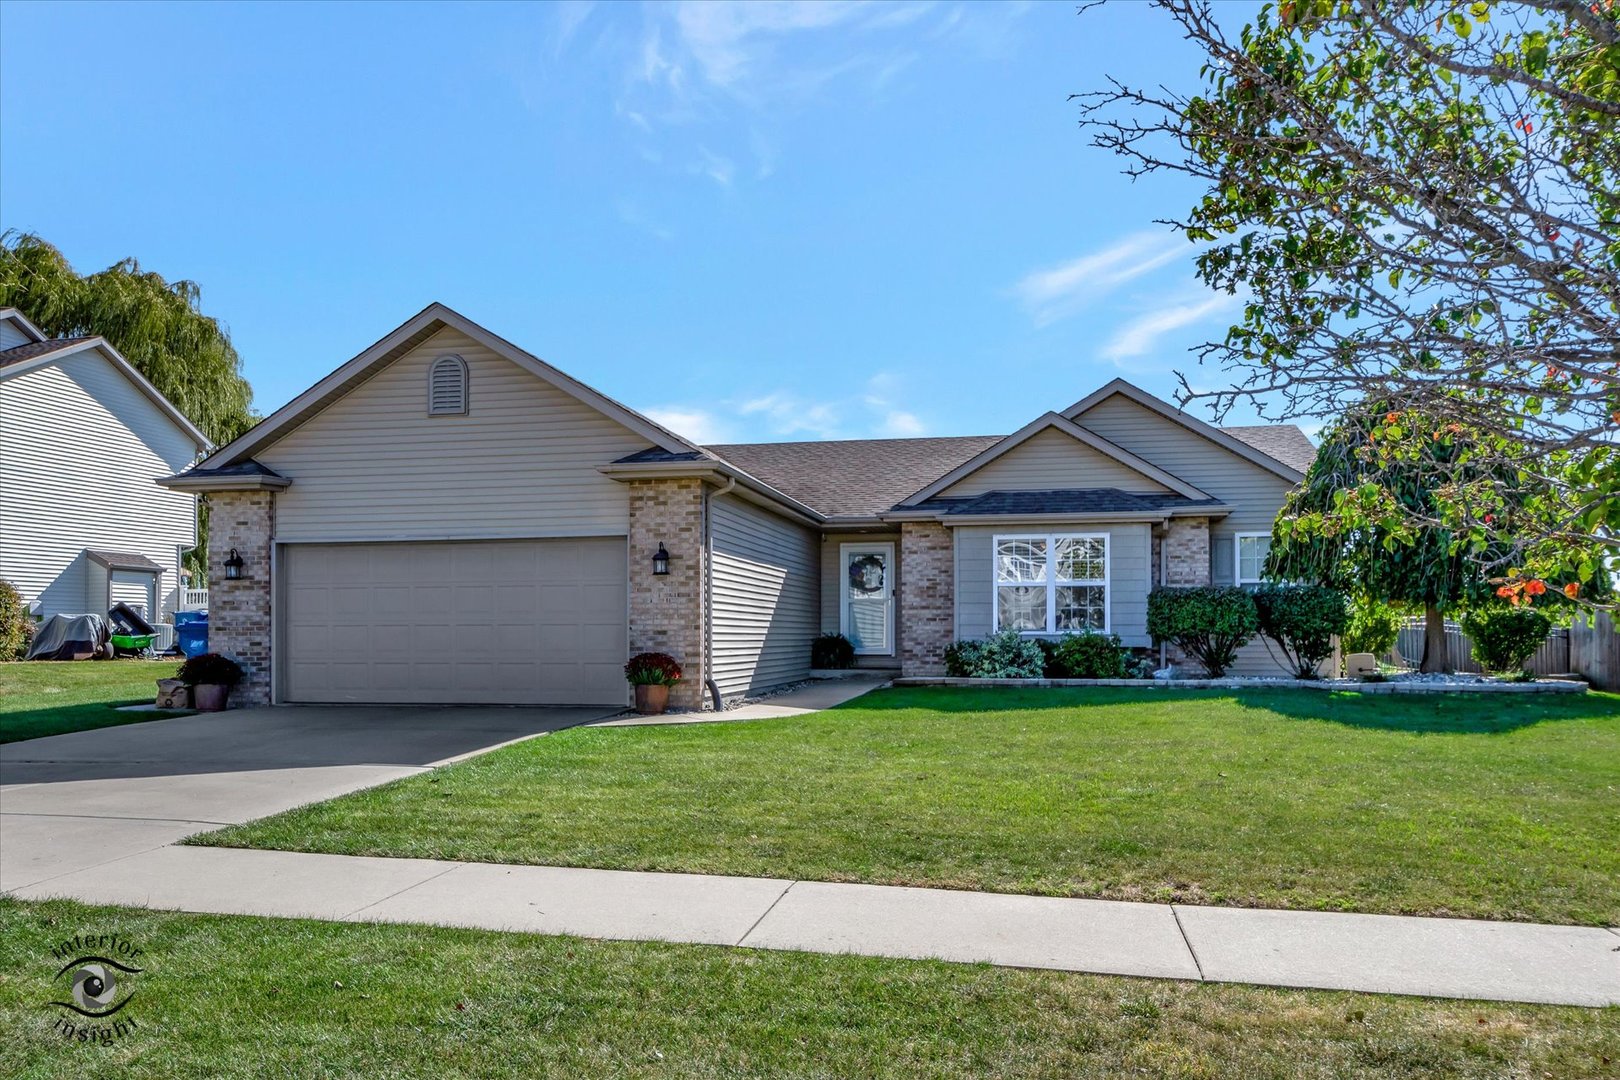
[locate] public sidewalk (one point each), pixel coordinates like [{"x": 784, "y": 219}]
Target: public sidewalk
[{"x": 1390, "y": 954}]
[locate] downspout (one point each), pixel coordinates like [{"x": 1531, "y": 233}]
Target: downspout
[
  {"x": 708, "y": 593},
  {"x": 1164, "y": 570}
]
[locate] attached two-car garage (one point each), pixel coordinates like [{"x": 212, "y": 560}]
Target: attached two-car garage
[{"x": 511, "y": 622}]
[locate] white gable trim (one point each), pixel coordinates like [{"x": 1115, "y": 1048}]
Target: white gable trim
[
  {"x": 1074, "y": 431},
  {"x": 1191, "y": 423},
  {"x": 426, "y": 322},
  {"x": 125, "y": 368},
  {"x": 11, "y": 314}
]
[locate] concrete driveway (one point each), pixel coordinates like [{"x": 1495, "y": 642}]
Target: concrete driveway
[{"x": 72, "y": 802}]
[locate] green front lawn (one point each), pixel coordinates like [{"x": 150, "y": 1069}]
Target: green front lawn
[
  {"x": 48, "y": 698},
  {"x": 241, "y": 997},
  {"x": 1496, "y": 807}
]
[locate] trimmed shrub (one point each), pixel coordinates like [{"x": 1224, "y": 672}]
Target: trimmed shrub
[
  {"x": 652, "y": 669},
  {"x": 832, "y": 651},
  {"x": 1505, "y": 637},
  {"x": 962, "y": 659},
  {"x": 1303, "y": 620},
  {"x": 16, "y": 625},
  {"x": 1007, "y": 655},
  {"x": 1374, "y": 627},
  {"x": 1087, "y": 656},
  {"x": 1210, "y": 623},
  {"x": 210, "y": 669}
]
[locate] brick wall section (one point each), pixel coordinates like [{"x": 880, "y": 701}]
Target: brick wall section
[
  {"x": 666, "y": 613},
  {"x": 927, "y": 615},
  {"x": 239, "y": 611},
  {"x": 1186, "y": 552}
]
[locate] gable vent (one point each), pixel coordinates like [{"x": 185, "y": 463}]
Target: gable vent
[{"x": 447, "y": 387}]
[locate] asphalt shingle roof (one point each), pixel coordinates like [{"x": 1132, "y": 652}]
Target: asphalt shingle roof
[
  {"x": 1285, "y": 442},
  {"x": 38, "y": 348},
  {"x": 853, "y": 477},
  {"x": 865, "y": 477},
  {"x": 1064, "y": 501}
]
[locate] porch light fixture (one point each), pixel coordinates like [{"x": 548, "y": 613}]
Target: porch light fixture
[
  {"x": 660, "y": 560},
  {"x": 233, "y": 566}
]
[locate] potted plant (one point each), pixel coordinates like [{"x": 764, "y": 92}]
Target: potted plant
[
  {"x": 652, "y": 674},
  {"x": 210, "y": 677}
]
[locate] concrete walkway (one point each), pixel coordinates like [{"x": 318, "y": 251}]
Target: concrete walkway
[
  {"x": 1432, "y": 957},
  {"x": 811, "y": 697}
]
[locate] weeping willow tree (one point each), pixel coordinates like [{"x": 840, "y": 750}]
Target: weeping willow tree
[{"x": 156, "y": 324}]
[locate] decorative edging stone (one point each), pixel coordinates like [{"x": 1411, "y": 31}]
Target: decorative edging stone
[{"x": 1540, "y": 686}]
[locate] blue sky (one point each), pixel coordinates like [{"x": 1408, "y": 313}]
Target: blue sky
[{"x": 754, "y": 222}]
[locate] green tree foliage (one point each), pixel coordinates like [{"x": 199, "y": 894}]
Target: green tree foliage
[
  {"x": 1374, "y": 627},
  {"x": 16, "y": 625},
  {"x": 1417, "y": 202},
  {"x": 1504, "y": 636},
  {"x": 156, "y": 324},
  {"x": 1210, "y": 623},
  {"x": 1370, "y": 527},
  {"x": 1302, "y": 621}
]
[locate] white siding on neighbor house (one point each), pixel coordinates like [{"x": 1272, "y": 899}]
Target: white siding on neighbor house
[
  {"x": 80, "y": 450},
  {"x": 1254, "y": 493},
  {"x": 1050, "y": 461},
  {"x": 522, "y": 462},
  {"x": 1128, "y": 576},
  {"x": 12, "y": 335},
  {"x": 766, "y": 596}
]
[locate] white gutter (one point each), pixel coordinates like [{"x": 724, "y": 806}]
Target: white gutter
[{"x": 708, "y": 591}]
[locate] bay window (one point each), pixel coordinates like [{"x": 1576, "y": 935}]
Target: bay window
[{"x": 1052, "y": 583}]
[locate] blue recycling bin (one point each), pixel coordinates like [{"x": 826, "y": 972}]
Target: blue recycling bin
[{"x": 191, "y": 632}]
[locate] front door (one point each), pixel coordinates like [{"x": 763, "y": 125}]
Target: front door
[{"x": 866, "y": 615}]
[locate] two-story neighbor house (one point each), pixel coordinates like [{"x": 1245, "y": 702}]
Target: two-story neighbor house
[
  {"x": 83, "y": 438},
  {"x": 447, "y": 518}
]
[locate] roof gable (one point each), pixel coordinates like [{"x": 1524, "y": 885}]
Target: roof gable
[
  {"x": 1173, "y": 415},
  {"x": 413, "y": 332},
  {"x": 20, "y": 325},
  {"x": 1120, "y": 462}
]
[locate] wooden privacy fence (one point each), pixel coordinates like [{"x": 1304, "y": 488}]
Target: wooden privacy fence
[
  {"x": 1590, "y": 649},
  {"x": 1594, "y": 650}
]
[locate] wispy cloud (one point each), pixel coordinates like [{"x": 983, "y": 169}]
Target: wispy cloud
[
  {"x": 1140, "y": 335},
  {"x": 1060, "y": 291},
  {"x": 785, "y": 414}
]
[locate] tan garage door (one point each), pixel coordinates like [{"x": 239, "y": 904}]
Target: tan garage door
[{"x": 527, "y": 622}]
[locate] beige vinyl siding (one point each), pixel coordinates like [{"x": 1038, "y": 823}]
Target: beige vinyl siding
[
  {"x": 1254, "y": 493},
  {"x": 766, "y": 595},
  {"x": 522, "y": 463},
  {"x": 1050, "y": 461},
  {"x": 12, "y": 335},
  {"x": 80, "y": 450},
  {"x": 1129, "y": 575}
]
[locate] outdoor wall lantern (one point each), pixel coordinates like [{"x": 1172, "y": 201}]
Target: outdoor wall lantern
[
  {"x": 233, "y": 566},
  {"x": 660, "y": 560}
]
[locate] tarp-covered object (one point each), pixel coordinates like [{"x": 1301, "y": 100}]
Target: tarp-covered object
[{"x": 69, "y": 637}]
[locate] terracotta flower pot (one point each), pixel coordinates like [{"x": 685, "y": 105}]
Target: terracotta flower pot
[
  {"x": 210, "y": 697},
  {"x": 652, "y": 700}
]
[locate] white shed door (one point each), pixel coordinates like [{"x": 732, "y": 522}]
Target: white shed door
[{"x": 524, "y": 622}]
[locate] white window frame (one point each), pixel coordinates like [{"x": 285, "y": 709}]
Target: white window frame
[
  {"x": 1052, "y": 582},
  {"x": 1237, "y": 557}
]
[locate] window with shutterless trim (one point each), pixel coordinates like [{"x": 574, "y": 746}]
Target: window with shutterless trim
[
  {"x": 1249, "y": 551},
  {"x": 1051, "y": 583},
  {"x": 447, "y": 387}
]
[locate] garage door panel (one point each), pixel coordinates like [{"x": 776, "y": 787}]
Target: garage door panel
[{"x": 513, "y": 622}]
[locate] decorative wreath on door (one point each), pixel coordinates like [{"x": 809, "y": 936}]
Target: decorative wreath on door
[{"x": 866, "y": 574}]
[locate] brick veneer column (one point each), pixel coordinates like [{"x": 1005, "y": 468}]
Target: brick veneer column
[
  {"x": 1186, "y": 552},
  {"x": 927, "y": 595},
  {"x": 239, "y": 611},
  {"x": 666, "y": 612}
]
